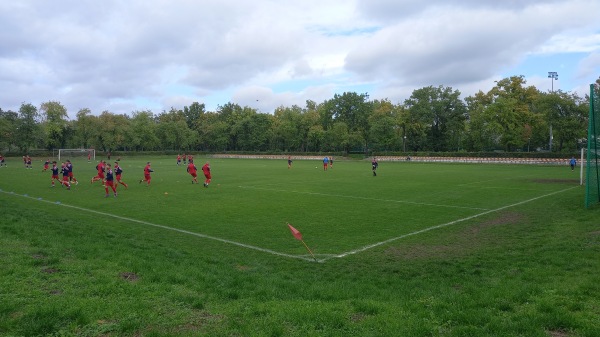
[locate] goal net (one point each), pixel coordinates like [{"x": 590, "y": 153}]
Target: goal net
[
  {"x": 64, "y": 154},
  {"x": 592, "y": 187}
]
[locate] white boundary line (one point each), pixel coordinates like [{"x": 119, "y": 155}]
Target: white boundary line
[
  {"x": 362, "y": 249},
  {"x": 362, "y": 198},
  {"x": 299, "y": 257},
  {"x": 264, "y": 250}
]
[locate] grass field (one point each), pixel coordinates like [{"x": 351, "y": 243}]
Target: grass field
[{"x": 419, "y": 250}]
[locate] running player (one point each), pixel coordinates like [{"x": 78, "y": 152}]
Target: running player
[
  {"x": 54, "y": 170},
  {"x": 65, "y": 173},
  {"x": 46, "y": 164},
  {"x": 192, "y": 169},
  {"x": 100, "y": 175},
  {"x": 118, "y": 173},
  {"x": 71, "y": 176},
  {"x": 206, "y": 171},
  {"x": 147, "y": 171},
  {"x": 28, "y": 163},
  {"x": 2, "y": 161},
  {"x": 109, "y": 181}
]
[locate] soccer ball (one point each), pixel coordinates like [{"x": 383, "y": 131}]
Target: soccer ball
[{"x": 316, "y": 167}]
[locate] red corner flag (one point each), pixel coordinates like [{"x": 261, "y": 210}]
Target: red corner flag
[{"x": 296, "y": 233}]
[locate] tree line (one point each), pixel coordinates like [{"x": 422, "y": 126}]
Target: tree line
[{"x": 510, "y": 117}]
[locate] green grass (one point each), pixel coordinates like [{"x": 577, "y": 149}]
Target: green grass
[{"x": 451, "y": 250}]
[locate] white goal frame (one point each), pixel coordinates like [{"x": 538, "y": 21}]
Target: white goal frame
[{"x": 61, "y": 153}]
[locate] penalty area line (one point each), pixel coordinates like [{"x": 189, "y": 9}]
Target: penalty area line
[
  {"x": 142, "y": 222},
  {"x": 362, "y": 249}
]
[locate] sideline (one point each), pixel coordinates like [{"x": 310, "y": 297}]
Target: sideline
[
  {"x": 264, "y": 250},
  {"x": 299, "y": 257}
]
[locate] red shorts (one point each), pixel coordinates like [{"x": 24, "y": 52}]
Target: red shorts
[
  {"x": 118, "y": 177},
  {"x": 147, "y": 177},
  {"x": 100, "y": 175},
  {"x": 109, "y": 183},
  {"x": 193, "y": 174},
  {"x": 45, "y": 167},
  {"x": 65, "y": 178},
  {"x": 55, "y": 176},
  {"x": 70, "y": 174},
  {"x": 207, "y": 175}
]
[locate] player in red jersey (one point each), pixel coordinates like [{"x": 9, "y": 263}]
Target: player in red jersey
[
  {"x": 109, "y": 181},
  {"x": 147, "y": 177},
  {"x": 192, "y": 170},
  {"x": 2, "y": 161},
  {"x": 206, "y": 171},
  {"x": 178, "y": 160},
  {"x": 28, "y": 163},
  {"x": 100, "y": 168},
  {"x": 65, "y": 173},
  {"x": 46, "y": 164},
  {"x": 70, "y": 168},
  {"x": 118, "y": 172}
]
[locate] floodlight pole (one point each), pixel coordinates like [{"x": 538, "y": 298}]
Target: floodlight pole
[{"x": 553, "y": 75}]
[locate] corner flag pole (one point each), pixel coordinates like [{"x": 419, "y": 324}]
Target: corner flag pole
[{"x": 296, "y": 233}]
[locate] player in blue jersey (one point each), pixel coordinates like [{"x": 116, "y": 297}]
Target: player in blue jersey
[
  {"x": 118, "y": 172},
  {"x": 109, "y": 181},
  {"x": 65, "y": 174},
  {"x": 70, "y": 168}
]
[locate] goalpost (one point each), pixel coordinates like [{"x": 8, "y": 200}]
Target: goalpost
[{"x": 76, "y": 153}]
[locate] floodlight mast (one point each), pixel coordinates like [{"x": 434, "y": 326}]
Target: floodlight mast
[{"x": 554, "y": 76}]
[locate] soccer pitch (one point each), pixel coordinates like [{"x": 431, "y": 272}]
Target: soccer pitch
[
  {"x": 422, "y": 249},
  {"x": 341, "y": 211}
]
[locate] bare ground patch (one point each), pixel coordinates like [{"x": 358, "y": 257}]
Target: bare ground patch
[
  {"x": 129, "y": 276},
  {"x": 460, "y": 244}
]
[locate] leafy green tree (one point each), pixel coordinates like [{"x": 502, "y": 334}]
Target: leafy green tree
[
  {"x": 354, "y": 110},
  {"x": 143, "y": 131},
  {"x": 289, "y": 131},
  {"x": 29, "y": 133},
  {"x": 567, "y": 113},
  {"x": 383, "y": 126},
  {"x": 8, "y": 129},
  {"x": 511, "y": 109},
  {"x": 55, "y": 123},
  {"x": 85, "y": 128},
  {"x": 438, "y": 114},
  {"x": 214, "y": 134},
  {"x": 193, "y": 114}
]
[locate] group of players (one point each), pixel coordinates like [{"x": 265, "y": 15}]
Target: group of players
[{"x": 111, "y": 176}]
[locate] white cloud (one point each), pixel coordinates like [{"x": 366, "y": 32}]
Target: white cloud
[{"x": 154, "y": 54}]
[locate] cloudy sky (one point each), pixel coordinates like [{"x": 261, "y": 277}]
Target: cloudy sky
[{"x": 125, "y": 56}]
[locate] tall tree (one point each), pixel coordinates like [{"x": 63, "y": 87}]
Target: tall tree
[
  {"x": 55, "y": 123},
  {"x": 439, "y": 114},
  {"x": 29, "y": 133},
  {"x": 8, "y": 129}
]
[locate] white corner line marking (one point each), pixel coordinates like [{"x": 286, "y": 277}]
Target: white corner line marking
[
  {"x": 264, "y": 250},
  {"x": 362, "y": 249}
]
